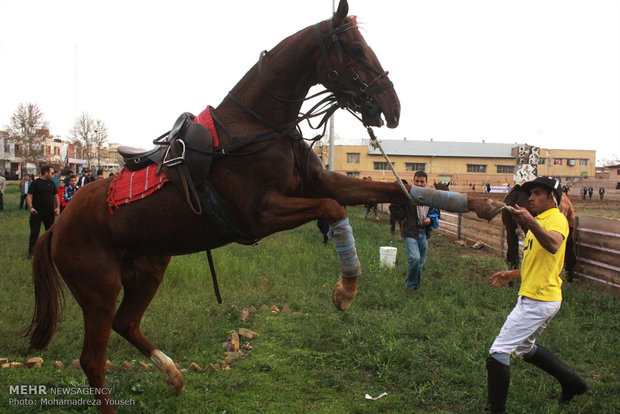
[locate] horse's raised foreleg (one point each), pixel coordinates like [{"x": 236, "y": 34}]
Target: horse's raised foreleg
[
  {"x": 283, "y": 213},
  {"x": 141, "y": 277},
  {"x": 353, "y": 191}
]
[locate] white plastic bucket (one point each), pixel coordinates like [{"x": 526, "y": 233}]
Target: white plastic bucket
[{"x": 387, "y": 256}]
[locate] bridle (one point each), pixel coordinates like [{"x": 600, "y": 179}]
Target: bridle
[{"x": 355, "y": 95}]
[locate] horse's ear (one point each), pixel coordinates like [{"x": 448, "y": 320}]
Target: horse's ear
[{"x": 342, "y": 12}]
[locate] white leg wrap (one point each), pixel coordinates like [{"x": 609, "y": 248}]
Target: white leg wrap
[
  {"x": 443, "y": 200},
  {"x": 342, "y": 234},
  {"x": 161, "y": 360}
]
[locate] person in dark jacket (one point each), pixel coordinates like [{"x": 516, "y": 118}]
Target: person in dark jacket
[
  {"x": 43, "y": 203},
  {"x": 416, "y": 232}
]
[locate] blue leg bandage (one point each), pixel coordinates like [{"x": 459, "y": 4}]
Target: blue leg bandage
[
  {"x": 443, "y": 200},
  {"x": 342, "y": 234}
]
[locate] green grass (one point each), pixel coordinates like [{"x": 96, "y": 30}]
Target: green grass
[{"x": 426, "y": 350}]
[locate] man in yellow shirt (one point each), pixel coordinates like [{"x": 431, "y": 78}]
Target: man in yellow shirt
[{"x": 540, "y": 297}]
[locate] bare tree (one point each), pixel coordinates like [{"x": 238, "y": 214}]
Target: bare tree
[
  {"x": 91, "y": 135},
  {"x": 27, "y": 128}
]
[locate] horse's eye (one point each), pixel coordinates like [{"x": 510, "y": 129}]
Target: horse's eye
[{"x": 358, "y": 52}]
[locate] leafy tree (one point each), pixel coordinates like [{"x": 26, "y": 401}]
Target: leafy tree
[
  {"x": 28, "y": 129},
  {"x": 91, "y": 135}
]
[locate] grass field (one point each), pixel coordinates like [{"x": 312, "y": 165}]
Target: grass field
[{"x": 426, "y": 350}]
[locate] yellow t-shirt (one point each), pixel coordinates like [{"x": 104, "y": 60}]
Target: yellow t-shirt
[{"x": 540, "y": 270}]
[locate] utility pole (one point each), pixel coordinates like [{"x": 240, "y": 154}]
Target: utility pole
[{"x": 331, "y": 120}]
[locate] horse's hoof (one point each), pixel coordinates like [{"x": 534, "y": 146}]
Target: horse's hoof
[
  {"x": 176, "y": 383},
  {"x": 343, "y": 297},
  {"x": 489, "y": 209}
]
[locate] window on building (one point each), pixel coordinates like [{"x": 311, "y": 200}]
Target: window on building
[
  {"x": 7, "y": 148},
  {"x": 476, "y": 168},
  {"x": 415, "y": 166},
  {"x": 353, "y": 157},
  {"x": 541, "y": 161},
  {"x": 381, "y": 165},
  {"x": 353, "y": 173},
  {"x": 570, "y": 162},
  {"x": 505, "y": 169},
  {"x": 557, "y": 161},
  {"x": 56, "y": 151},
  {"x": 583, "y": 162}
]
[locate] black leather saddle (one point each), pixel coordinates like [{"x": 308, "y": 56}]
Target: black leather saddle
[{"x": 184, "y": 153}]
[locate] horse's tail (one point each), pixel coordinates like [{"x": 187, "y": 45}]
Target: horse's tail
[{"x": 48, "y": 293}]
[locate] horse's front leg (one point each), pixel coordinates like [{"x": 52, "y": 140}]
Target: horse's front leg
[{"x": 284, "y": 213}]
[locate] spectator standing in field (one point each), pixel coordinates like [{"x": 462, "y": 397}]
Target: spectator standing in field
[
  {"x": 590, "y": 192},
  {"x": 397, "y": 213},
  {"x": 601, "y": 192},
  {"x": 70, "y": 190},
  {"x": 61, "y": 191},
  {"x": 584, "y": 192},
  {"x": 370, "y": 206},
  {"x": 540, "y": 297},
  {"x": 56, "y": 179},
  {"x": 416, "y": 232},
  {"x": 2, "y": 188},
  {"x": 85, "y": 178},
  {"x": 23, "y": 188},
  {"x": 43, "y": 203}
]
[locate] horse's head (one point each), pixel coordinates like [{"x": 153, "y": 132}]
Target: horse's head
[{"x": 350, "y": 69}]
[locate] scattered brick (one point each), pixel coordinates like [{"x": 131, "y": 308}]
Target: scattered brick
[
  {"x": 109, "y": 366},
  {"x": 3, "y": 361},
  {"x": 144, "y": 366},
  {"x": 16, "y": 365},
  {"x": 59, "y": 365},
  {"x": 75, "y": 364},
  {"x": 234, "y": 342},
  {"x": 247, "y": 333},
  {"x": 285, "y": 309},
  {"x": 194, "y": 367},
  {"x": 252, "y": 309},
  {"x": 215, "y": 366},
  {"x": 6, "y": 365},
  {"x": 245, "y": 312},
  {"x": 263, "y": 308},
  {"x": 275, "y": 309},
  {"x": 126, "y": 365},
  {"x": 34, "y": 362}
]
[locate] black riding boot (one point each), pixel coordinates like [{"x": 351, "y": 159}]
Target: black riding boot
[
  {"x": 499, "y": 381},
  {"x": 572, "y": 384}
]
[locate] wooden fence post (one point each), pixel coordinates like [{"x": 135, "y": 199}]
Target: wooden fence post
[{"x": 459, "y": 226}]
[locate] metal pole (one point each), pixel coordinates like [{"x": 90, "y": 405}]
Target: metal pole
[{"x": 331, "y": 122}]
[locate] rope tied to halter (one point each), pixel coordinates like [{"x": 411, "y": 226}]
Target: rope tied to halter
[{"x": 377, "y": 145}]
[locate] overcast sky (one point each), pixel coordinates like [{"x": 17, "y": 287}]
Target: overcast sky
[{"x": 544, "y": 72}]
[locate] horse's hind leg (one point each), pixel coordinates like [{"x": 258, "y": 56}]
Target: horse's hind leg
[
  {"x": 141, "y": 277},
  {"x": 98, "y": 304}
]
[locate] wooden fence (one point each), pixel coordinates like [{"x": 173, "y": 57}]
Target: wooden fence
[{"x": 597, "y": 242}]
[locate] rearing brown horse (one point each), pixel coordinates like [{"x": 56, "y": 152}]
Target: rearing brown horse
[{"x": 269, "y": 187}]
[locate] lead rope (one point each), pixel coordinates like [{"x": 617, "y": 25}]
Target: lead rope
[
  {"x": 376, "y": 144},
  {"x": 216, "y": 287}
]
